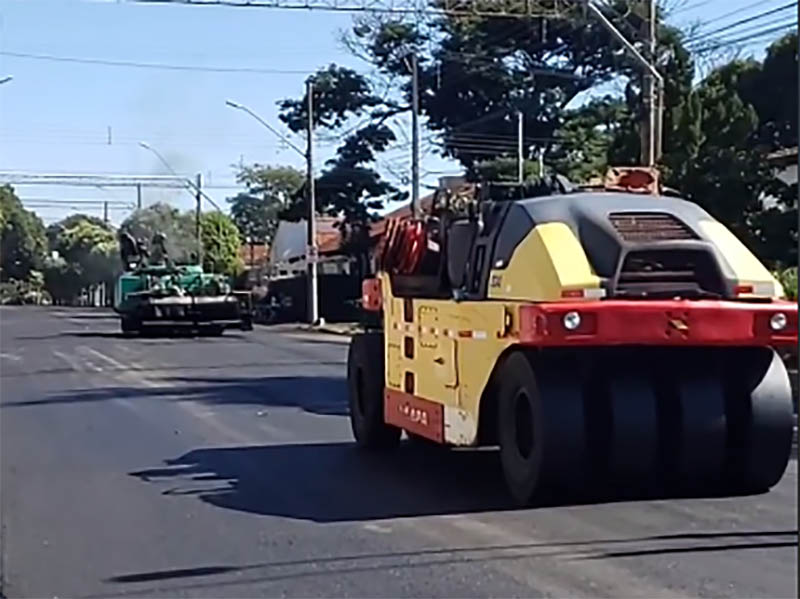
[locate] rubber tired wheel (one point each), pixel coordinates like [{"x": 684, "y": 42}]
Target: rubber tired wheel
[
  {"x": 540, "y": 428},
  {"x": 365, "y": 386},
  {"x": 692, "y": 418},
  {"x": 621, "y": 419},
  {"x": 759, "y": 399},
  {"x": 633, "y": 450}
]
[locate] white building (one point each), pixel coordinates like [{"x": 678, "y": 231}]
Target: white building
[{"x": 287, "y": 256}]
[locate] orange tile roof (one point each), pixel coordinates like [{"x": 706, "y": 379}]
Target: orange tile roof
[{"x": 260, "y": 254}]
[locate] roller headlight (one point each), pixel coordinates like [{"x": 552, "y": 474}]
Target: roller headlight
[
  {"x": 778, "y": 322},
  {"x": 571, "y": 321}
]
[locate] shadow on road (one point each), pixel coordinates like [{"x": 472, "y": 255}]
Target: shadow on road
[
  {"x": 333, "y": 482},
  {"x": 318, "y": 395},
  {"x": 100, "y": 315}
]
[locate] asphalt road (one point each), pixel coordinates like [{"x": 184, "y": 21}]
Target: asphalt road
[{"x": 224, "y": 467}]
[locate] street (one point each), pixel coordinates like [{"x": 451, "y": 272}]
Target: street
[{"x": 225, "y": 467}]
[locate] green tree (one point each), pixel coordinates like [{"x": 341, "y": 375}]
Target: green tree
[
  {"x": 717, "y": 136},
  {"x": 269, "y": 191},
  {"x": 585, "y": 138},
  {"x": 62, "y": 280},
  {"x": 87, "y": 255},
  {"x": 349, "y": 186},
  {"x": 777, "y": 107},
  {"x": 478, "y": 73},
  {"x": 221, "y": 243},
  {"x": 22, "y": 241},
  {"x": 730, "y": 127},
  {"x": 179, "y": 229}
]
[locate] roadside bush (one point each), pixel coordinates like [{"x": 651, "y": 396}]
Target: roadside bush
[
  {"x": 788, "y": 278},
  {"x": 19, "y": 292}
]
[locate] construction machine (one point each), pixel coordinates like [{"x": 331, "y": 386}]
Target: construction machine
[
  {"x": 154, "y": 292},
  {"x": 610, "y": 335}
]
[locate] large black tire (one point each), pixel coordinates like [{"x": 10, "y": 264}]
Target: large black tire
[
  {"x": 621, "y": 419},
  {"x": 540, "y": 428},
  {"x": 633, "y": 447},
  {"x": 692, "y": 418},
  {"x": 365, "y": 364},
  {"x": 759, "y": 405}
]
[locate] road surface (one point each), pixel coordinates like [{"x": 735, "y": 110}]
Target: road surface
[{"x": 224, "y": 467}]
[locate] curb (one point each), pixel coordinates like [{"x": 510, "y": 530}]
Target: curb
[{"x": 342, "y": 332}]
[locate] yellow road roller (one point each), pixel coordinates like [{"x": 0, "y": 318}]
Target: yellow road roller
[{"x": 598, "y": 337}]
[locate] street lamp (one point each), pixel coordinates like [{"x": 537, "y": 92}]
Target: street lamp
[
  {"x": 197, "y": 195},
  {"x": 193, "y": 185},
  {"x": 311, "y": 236},
  {"x": 280, "y": 135},
  {"x": 6, "y": 79}
]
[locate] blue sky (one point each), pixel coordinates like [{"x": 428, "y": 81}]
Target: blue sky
[{"x": 55, "y": 116}]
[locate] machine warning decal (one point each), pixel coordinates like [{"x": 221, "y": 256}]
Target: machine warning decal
[
  {"x": 414, "y": 414},
  {"x": 496, "y": 281}
]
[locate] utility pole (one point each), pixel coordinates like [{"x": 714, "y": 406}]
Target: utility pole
[
  {"x": 541, "y": 162},
  {"x": 198, "y": 209},
  {"x": 647, "y": 64},
  {"x": 414, "y": 136},
  {"x": 138, "y": 196},
  {"x": 311, "y": 250},
  {"x": 105, "y": 212},
  {"x": 520, "y": 159},
  {"x": 649, "y": 149}
]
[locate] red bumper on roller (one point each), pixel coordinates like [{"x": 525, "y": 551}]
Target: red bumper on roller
[{"x": 670, "y": 322}]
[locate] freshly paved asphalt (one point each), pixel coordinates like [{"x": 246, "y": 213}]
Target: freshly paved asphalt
[{"x": 224, "y": 467}]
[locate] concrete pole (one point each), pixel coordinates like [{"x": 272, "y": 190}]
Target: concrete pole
[
  {"x": 520, "y": 158},
  {"x": 198, "y": 214},
  {"x": 648, "y": 148},
  {"x": 311, "y": 249}
]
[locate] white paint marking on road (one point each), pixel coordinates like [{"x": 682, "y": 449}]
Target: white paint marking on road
[
  {"x": 122, "y": 348},
  {"x": 200, "y": 411},
  {"x": 12, "y": 357},
  {"x": 193, "y": 408},
  {"x": 70, "y": 360},
  {"x": 123, "y": 369},
  {"x": 379, "y": 528}
]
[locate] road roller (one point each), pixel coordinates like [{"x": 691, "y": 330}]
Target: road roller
[{"x": 600, "y": 337}]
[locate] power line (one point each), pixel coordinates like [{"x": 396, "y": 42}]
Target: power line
[
  {"x": 73, "y": 201},
  {"x": 710, "y": 47},
  {"x": 780, "y": 21},
  {"x": 739, "y": 10},
  {"x": 492, "y": 8},
  {"x": 151, "y": 65},
  {"x": 741, "y": 22}
]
